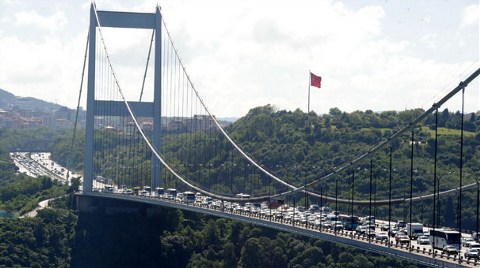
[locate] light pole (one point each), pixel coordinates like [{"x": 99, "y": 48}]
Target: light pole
[
  {"x": 321, "y": 205},
  {"x": 438, "y": 202},
  {"x": 478, "y": 201},
  {"x": 478, "y": 204},
  {"x": 370, "y": 193},
  {"x": 390, "y": 195},
  {"x": 336, "y": 201},
  {"x": 353, "y": 191}
]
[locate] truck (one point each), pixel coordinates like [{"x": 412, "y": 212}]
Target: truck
[{"x": 414, "y": 230}]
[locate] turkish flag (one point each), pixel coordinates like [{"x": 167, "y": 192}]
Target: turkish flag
[{"x": 315, "y": 81}]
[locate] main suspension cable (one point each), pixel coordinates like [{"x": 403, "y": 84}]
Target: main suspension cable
[{"x": 293, "y": 188}]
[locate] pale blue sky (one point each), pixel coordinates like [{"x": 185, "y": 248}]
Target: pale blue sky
[{"x": 378, "y": 55}]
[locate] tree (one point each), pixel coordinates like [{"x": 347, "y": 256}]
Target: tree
[
  {"x": 251, "y": 255},
  {"x": 335, "y": 112},
  {"x": 229, "y": 257},
  {"x": 75, "y": 185},
  {"x": 176, "y": 250},
  {"x": 361, "y": 261},
  {"x": 309, "y": 258}
]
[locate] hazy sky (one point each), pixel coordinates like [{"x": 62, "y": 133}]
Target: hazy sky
[{"x": 377, "y": 55}]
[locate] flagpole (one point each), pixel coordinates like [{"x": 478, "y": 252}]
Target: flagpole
[{"x": 308, "y": 107}]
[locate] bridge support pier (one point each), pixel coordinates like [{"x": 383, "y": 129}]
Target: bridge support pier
[{"x": 84, "y": 203}]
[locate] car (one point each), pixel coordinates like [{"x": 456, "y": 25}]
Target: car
[
  {"x": 317, "y": 222},
  {"x": 369, "y": 220},
  {"x": 471, "y": 253},
  {"x": 338, "y": 226},
  {"x": 423, "y": 240},
  {"x": 466, "y": 241},
  {"x": 474, "y": 245},
  {"x": 402, "y": 231},
  {"x": 476, "y": 236},
  {"x": 314, "y": 208},
  {"x": 326, "y": 224},
  {"x": 402, "y": 239},
  {"x": 360, "y": 230},
  {"x": 300, "y": 209},
  {"x": 370, "y": 234},
  {"x": 450, "y": 250},
  {"x": 392, "y": 232},
  {"x": 384, "y": 227},
  {"x": 381, "y": 236},
  {"x": 468, "y": 244},
  {"x": 401, "y": 224}
]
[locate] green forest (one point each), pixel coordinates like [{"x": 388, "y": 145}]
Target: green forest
[{"x": 280, "y": 140}]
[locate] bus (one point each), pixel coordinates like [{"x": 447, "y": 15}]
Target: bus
[
  {"x": 160, "y": 191},
  {"x": 171, "y": 193},
  {"x": 440, "y": 238},
  {"x": 241, "y": 195},
  {"x": 349, "y": 222},
  {"x": 188, "y": 197}
]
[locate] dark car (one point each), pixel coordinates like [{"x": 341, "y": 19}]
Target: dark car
[
  {"x": 472, "y": 253},
  {"x": 450, "y": 250},
  {"x": 392, "y": 232},
  {"x": 384, "y": 227}
]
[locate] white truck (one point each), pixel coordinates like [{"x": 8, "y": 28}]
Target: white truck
[{"x": 414, "y": 230}]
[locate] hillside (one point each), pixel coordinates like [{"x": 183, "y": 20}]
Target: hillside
[{"x": 8, "y": 101}]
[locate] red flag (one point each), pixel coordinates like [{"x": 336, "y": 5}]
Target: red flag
[{"x": 315, "y": 80}]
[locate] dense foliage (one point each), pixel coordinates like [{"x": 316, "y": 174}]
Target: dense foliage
[
  {"x": 24, "y": 193},
  {"x": 43, "y": 241},
  {"x": 33, "y": 140}
]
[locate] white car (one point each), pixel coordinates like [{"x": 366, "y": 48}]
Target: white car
[
  {"x": 466, "y": 241},
  {"x": 474, "y": 245},
  {"x": 380, "y": 236},
  {"x": 423, "y": 240}
]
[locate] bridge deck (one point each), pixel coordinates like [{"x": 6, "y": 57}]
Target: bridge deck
[{"x": 417, "y": 255}]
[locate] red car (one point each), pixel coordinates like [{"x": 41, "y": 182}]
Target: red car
[{"x": 402, "y": 239}]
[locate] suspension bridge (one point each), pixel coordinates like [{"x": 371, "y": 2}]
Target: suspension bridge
[{"x": 154, "y": 152}]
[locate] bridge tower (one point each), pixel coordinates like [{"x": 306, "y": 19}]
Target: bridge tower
[{"x": 95, "y": 107}]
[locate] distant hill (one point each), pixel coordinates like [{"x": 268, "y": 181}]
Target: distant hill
[{"x": 8, "y": 101}]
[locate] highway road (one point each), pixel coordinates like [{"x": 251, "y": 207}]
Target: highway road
[{"x": 41, "y": 164}]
